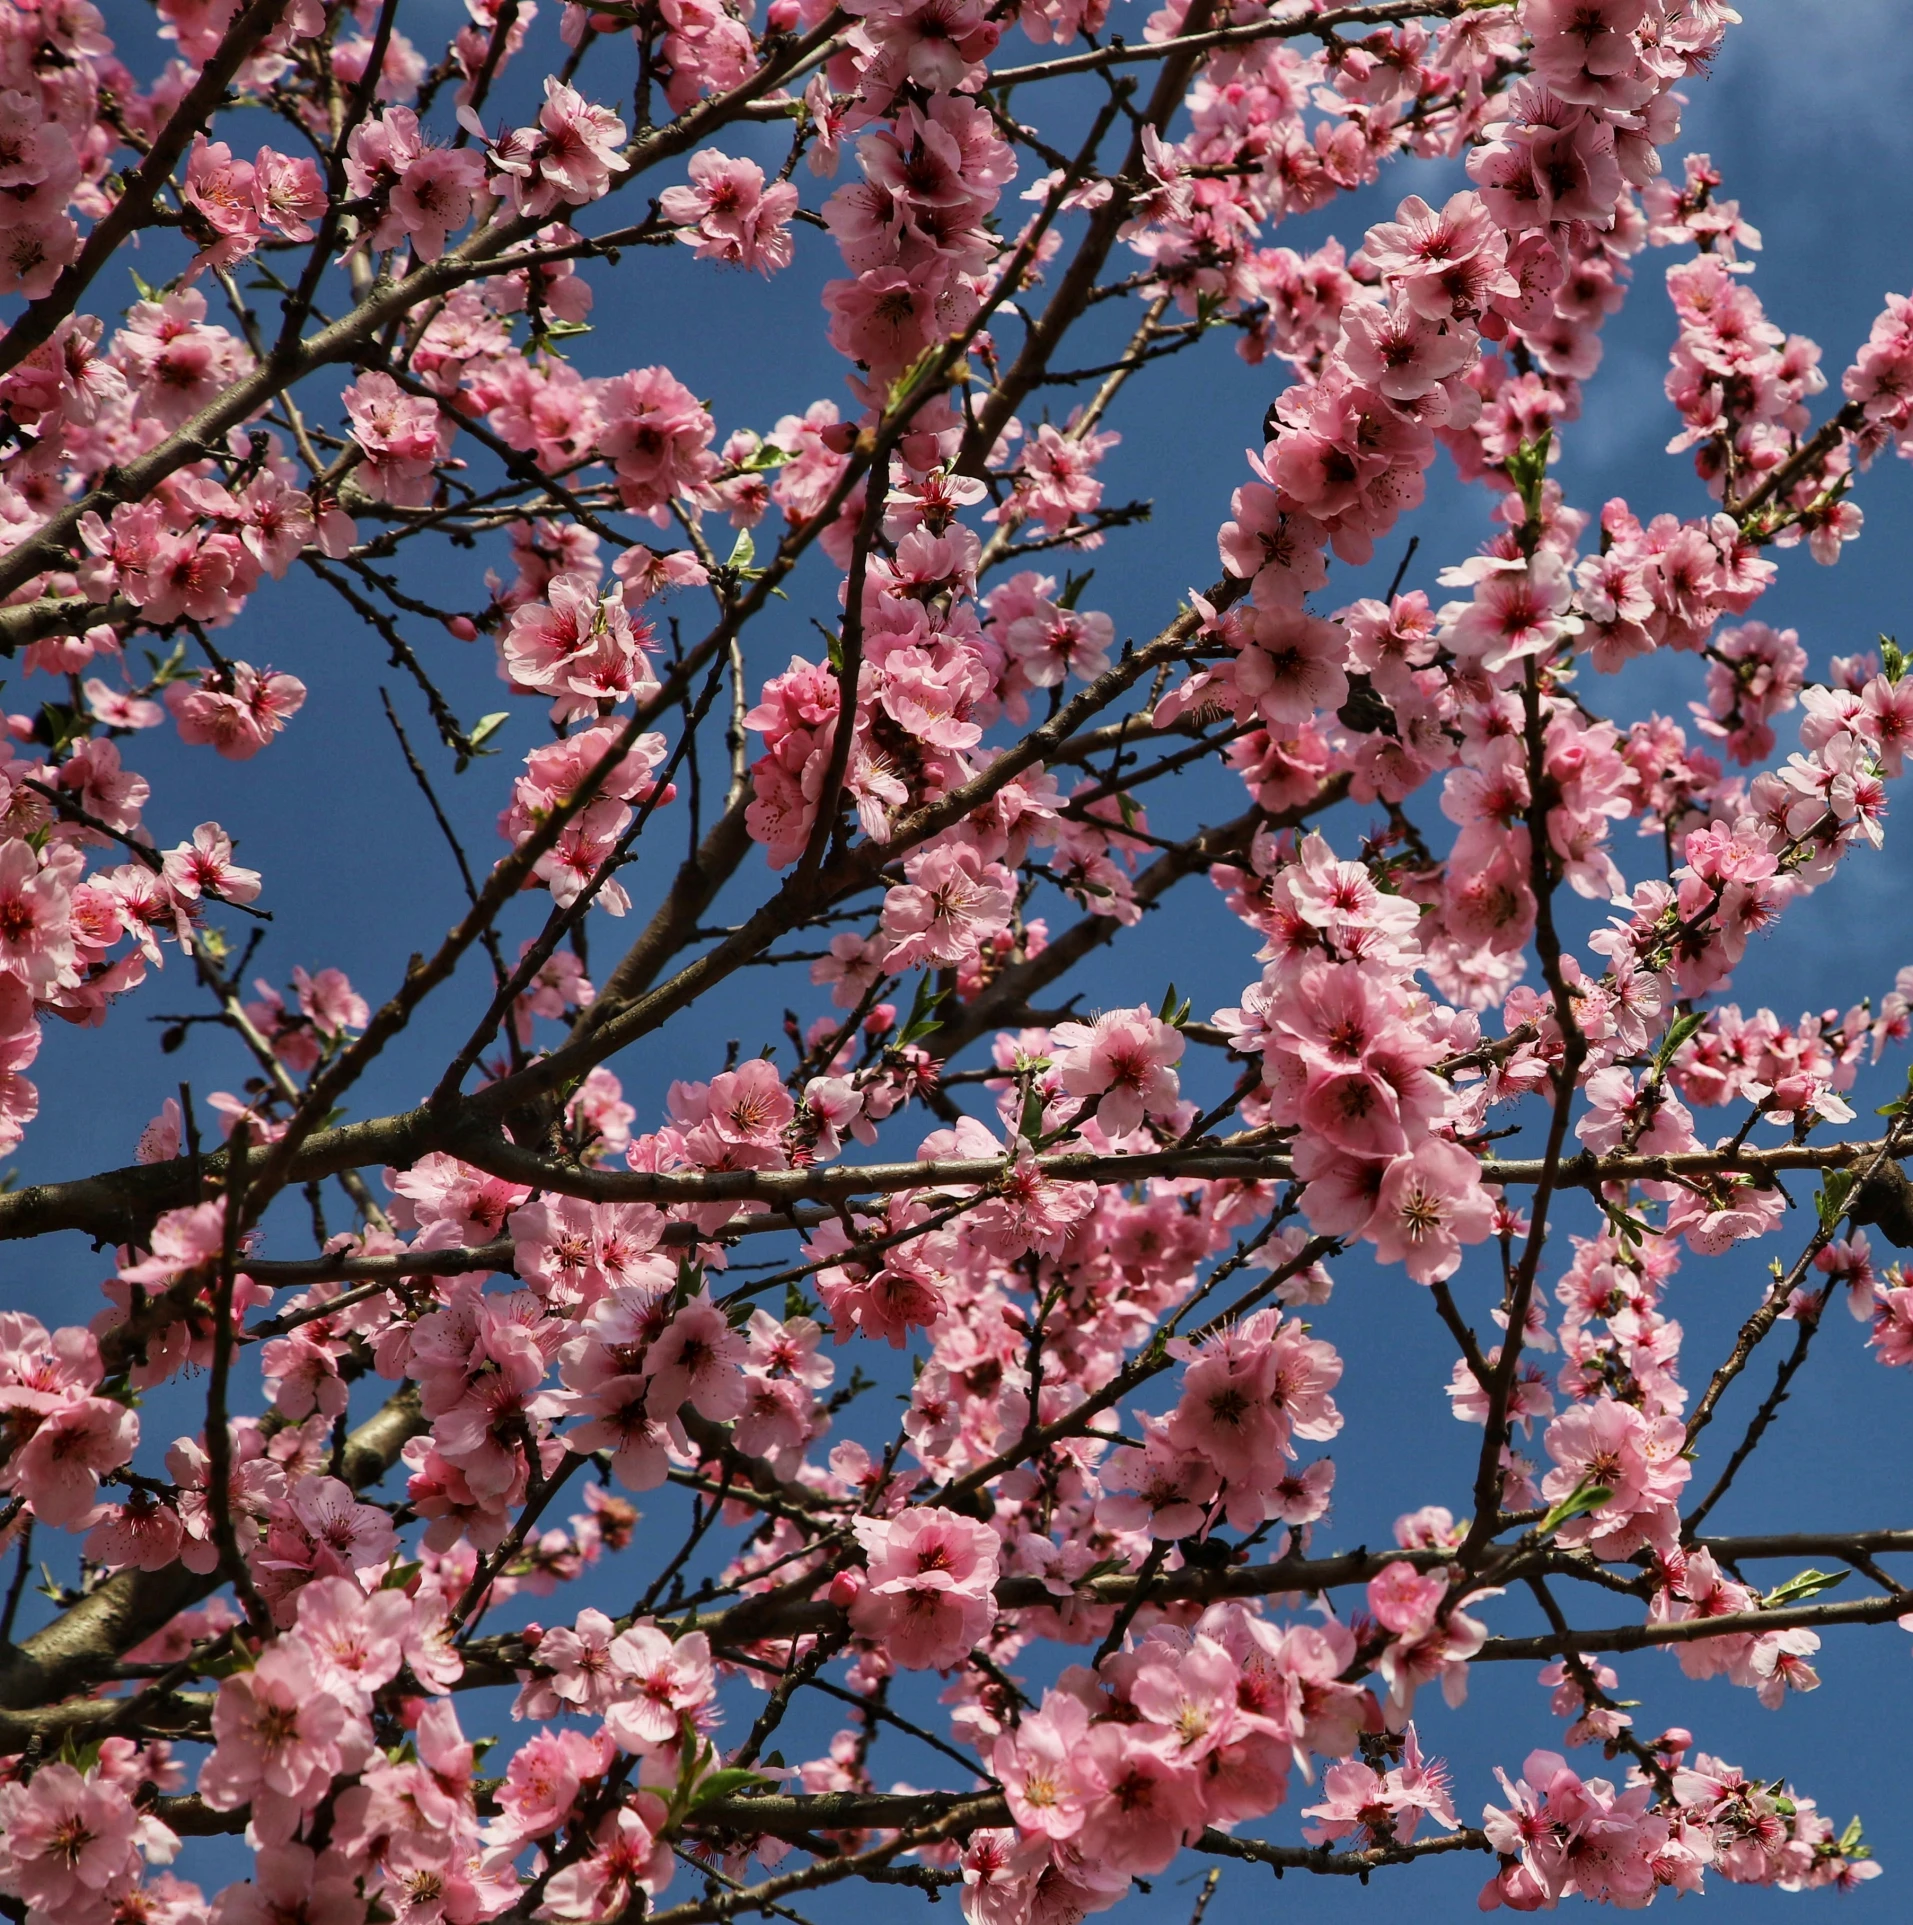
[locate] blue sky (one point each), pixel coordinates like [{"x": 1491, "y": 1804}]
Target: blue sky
[{"x": 1804, "y": 114}]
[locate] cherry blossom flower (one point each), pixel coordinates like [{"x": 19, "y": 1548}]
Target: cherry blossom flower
[{"x": 928, "y": 1599}]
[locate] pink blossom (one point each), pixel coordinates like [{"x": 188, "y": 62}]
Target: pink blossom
[
  {"x": 1126, "y": 1059},
  {"x": 70, "y": 1844},
  {"x": 952, "y": 901},
  {"x": 929, "y": 1597},
  {"x": 580, "y": 1666},
  {"x": 1385, "y": 1807},
  {"x": 397, "y": 434},
  {"x": 696, "y": 1359},
  {"x": 356, "y": 1642},
  {"x": 279, "y": 1741},
  {"x": 543, "y": 1780},
  {"x": 572, "y": 151},
  {"x": 664, "y": 1684},
  {"x": 238, "y": 719},
  {"x": 1431, "y": 1203},
  {"x": 729, "y": 214},
  {"x": 204, "y": 868},
  {"x": 1150, "y": 1807},
  {"x": 627, "y": 1857},
  {"x": 1043, "y": 1769},
  {"x": 59, "y": 1467}
]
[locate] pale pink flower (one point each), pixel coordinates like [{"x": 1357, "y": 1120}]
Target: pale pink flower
[
  {"x": 1149, "y": 1808},
  {"x": 204, "y": 868},
  {"x": 627, "y": 1857},
  {"x": 279, "y": 1741},
  {"x": 1041, "y": 1767},
  {"x": 1126, "y": 1059},
  {"x": 729, "y": 214},
  {"x": 665, "y": 1683},
  {"x": 697, "y": 1359},
  {"x": 750, "y": 1105},
  {"x": 930, "y": 1596},
  {"x": 542, "y": 1783},
  {"x": 70, "y": 1844},
  {"x": 579, "y": 1660},
  {"x": 292, "y": 1881},
  {"x": 58, "y": 1469},
  {"x": 1431, "y": 1203},
  {"x": 1399, "y": 350},
  {"x": 357, "y": 1643},
  {"x": 953, "y": 900},
  {"x": 36, "y": 932}
]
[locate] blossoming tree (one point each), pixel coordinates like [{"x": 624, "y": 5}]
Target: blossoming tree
[{"x": 1484, "y": 1028}]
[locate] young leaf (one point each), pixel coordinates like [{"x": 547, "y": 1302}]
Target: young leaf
[
  {"x": 721, "y": 1784},
  {"x": 1796, "y": 1590},
  {"x": 1678, "y": 1031},
  {"x": 1831, "y": 1200},
  {"x": 1585, "y": 1496},
  {"x": 923, "y": 1012}
]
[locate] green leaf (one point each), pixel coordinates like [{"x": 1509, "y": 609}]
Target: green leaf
[
  {"x": 1630, "y": 1229},
  {"x": 1073, "y": 587},
  {"x": 1527, "y": 467},
  {"x": 1585, "y": 1496},
  {"x": 1167, "y": 1013},
  {"x": 1030, "y": 1123},
  {"x": 1836, "y": 1187},
  {"x": 399, "y": 1576},
  {"x": 904, "y": 386},
  {"x": 923, "y": 1012},
  {"x": 1796, "y": 1590},
  {"x": 486, "y": 727},
  {"x": 743, "y": 551},
  {"x": 1678, "y": 1031},
  {"x": 721, "y": 1784},
  {"x": 1892, "y": 660}
]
